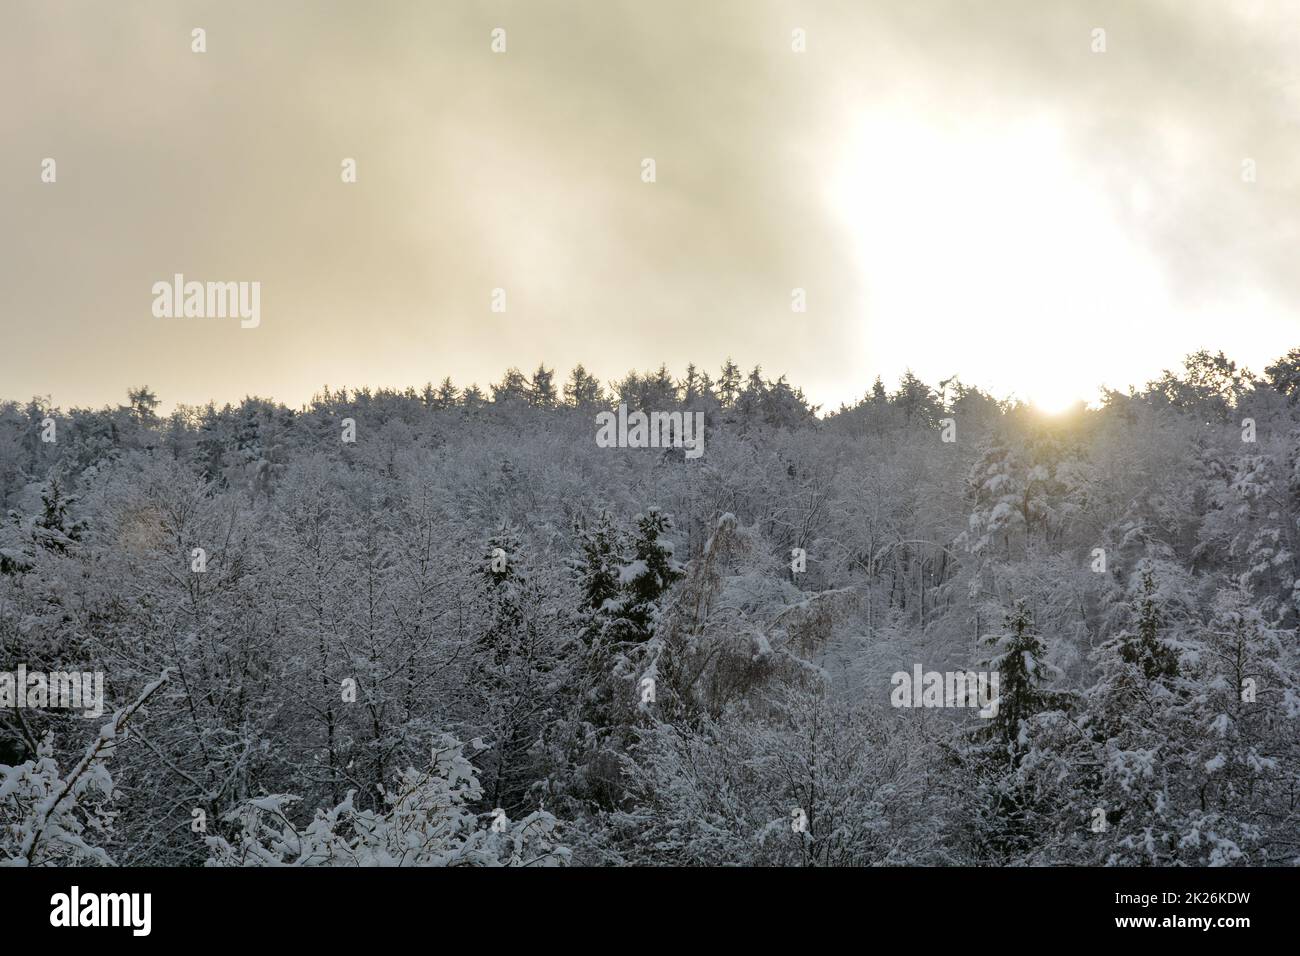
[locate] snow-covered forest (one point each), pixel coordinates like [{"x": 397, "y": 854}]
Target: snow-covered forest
[{"x": 472, "y": 636}]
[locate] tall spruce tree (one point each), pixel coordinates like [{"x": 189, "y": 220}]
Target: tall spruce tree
[
  {"x": 645, "y": 579},
  {"x": 1144, "y": 645},
  {"x": 1017, "y": 657}
]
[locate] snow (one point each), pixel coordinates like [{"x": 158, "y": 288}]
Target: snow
[
  {"x": 632, "y": 571},
  {"x": 363, "y": 562}
]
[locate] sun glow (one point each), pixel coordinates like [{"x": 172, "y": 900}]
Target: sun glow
[
  {"x": 1056, "y": 405},
  {"x": 983, "y": 250}
]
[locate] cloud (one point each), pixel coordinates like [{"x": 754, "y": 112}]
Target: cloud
[{"x": 521, "y": 171}]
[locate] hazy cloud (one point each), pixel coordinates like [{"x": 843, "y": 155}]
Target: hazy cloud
[{"x": 521, "y": 171}]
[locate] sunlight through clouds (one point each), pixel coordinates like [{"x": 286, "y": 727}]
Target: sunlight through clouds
[{"x": 983, "y": 249}]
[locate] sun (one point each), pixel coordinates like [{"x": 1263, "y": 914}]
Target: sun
[
  {"x": 1049, "y": 393},
  {"x": 983, "y": 248},
  {"x": 1056, "y": 403}
]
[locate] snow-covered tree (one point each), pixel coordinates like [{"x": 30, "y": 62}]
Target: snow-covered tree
[{"x": 426, "y": 820}]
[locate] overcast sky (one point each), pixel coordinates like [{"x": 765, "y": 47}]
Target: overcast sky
[{"x": 958, "y": 187}]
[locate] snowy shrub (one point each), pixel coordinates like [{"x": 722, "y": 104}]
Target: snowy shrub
[
  {"x": 47, "y": 818},
  {"x": 426, "y": 822}
]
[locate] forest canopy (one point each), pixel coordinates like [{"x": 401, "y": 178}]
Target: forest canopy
[{"x": 445, "y": 626}]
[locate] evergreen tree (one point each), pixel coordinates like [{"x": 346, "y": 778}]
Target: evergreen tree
[
  {"x": 1017, "y": 657},
  {"x": 750, "y": 402},
  {"x": 728, "y": 388},
  {"x": 660, "y": 391},
  {"x": 916, "y": 400},
  {"x": 526, "y": 676},
  {"x": 998, "y": 812},
  {"x": 645, "y": 580},
  {"x": 513, "y": 389},
  {"x": 143, "y": 404},
  {"x": 1144, "y": 646},
  {"x": 599, "y": 564},
  {"x": 583, "y": 390},
  {"x": 446, "y": 395},
  {"x": 690, "y": 385},
  {"x": 541, "y": 390},
  {"x": 54, "y": 529}
]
